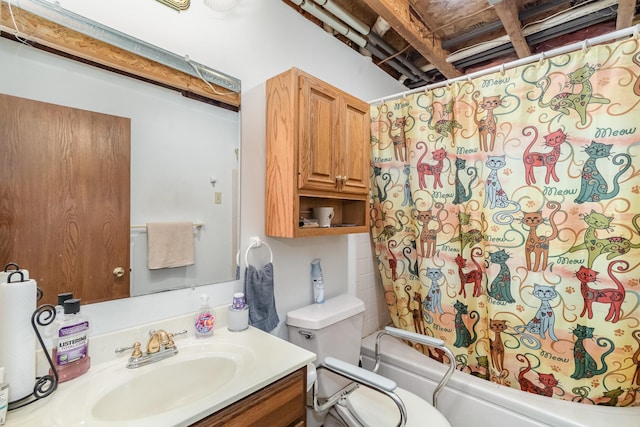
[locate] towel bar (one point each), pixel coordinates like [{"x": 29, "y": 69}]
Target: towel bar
[{"x": 197, "y": 225}]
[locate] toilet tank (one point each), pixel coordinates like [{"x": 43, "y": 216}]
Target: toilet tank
[{"x": 333, "y": 328}]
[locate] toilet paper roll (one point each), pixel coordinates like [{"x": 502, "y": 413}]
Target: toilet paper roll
[{"x": 18, "y": 348}]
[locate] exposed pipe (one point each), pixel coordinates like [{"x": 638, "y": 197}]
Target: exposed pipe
[
  {"x": 410, "y": 70},
  {"x": 341, "y": 28}
]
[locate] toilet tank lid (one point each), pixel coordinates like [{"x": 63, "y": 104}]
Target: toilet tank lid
[{"x": 318, "y": 316}]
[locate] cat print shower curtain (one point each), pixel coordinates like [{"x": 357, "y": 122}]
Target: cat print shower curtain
[{"x": 506, "y": 221}]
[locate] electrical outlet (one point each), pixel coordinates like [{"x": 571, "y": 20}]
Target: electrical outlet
[{"x": 218, "y": 198}]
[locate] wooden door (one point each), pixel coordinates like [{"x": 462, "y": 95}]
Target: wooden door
[
  {"x": 354, "y": 157},
  {"x": 64, "y": 190},
  {"x": 318, "y": 130}
]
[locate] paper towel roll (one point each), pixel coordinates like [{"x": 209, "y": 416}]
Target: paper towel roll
[
  {"x": 4, "y": 275},
  {"x": 18, "y": 341}
]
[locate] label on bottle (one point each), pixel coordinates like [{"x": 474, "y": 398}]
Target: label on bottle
[
  {"x": 73, "y": 343},
  {"x": 204, "y": 323}
]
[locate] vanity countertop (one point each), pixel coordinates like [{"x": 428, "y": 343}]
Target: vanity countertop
[{"x": 264, "y": 359}]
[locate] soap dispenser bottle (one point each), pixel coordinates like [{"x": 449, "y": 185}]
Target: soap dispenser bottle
[
  {"x": 71, "y": 347},
  {"x": 204, "y": 320}
]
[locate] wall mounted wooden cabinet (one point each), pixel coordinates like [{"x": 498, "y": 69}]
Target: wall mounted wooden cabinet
[{"x": 317, "y": 155}]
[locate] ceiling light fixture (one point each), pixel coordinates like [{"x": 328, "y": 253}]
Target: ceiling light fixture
[{"x": 221, "y": 5}]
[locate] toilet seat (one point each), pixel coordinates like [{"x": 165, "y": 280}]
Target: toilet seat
[{"x": 374, "y": 409}]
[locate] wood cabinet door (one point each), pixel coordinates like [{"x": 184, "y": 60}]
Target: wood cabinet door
[
  {"x": 64, "y": 194},
  {"x": 318, "y": 132},
  {"x": 354, "y": 155}
]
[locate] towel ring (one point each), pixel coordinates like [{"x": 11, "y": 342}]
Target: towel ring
[{"x": 257, "y": 242}]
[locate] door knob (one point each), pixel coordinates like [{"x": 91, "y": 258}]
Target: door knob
[{"x": 118, "y": 272}]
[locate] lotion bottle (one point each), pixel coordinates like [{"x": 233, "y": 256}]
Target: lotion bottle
[
  {"x": 204, "y": 320},
  {"x": 71, "y": 343}
]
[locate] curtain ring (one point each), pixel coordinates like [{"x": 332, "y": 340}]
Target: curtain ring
[
  {"x": 502, "y": 69},
  {"x": 469, "y": 78},
  {"x": 585, "y": 46},
  {"x": 542, "y": 58},
  {"x": 636, "y": 31}
]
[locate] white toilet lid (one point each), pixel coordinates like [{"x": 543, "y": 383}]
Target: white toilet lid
[{"x": 376, "y": 409}]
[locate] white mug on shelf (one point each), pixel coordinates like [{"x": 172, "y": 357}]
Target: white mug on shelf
[{"x": 324, "y": 216}]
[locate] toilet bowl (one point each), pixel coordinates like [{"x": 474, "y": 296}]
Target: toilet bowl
[{"x": 341, "y": 393}]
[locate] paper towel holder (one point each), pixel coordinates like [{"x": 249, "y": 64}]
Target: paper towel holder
[{"x": 42, "y": 316}]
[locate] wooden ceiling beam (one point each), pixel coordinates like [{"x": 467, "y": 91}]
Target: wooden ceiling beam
[
  {"x": 626, "y": 13},
  {"x": 507, "y": 10},
  {"x": 46, "y": 33},
  {"x": 397, "y": 14}
]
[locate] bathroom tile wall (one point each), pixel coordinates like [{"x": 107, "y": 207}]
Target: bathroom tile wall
[{"x": 367, "y": 285}]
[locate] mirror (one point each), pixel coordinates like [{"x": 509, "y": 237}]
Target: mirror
[{"x": 184, "y": 159}]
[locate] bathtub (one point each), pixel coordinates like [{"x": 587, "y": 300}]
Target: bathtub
[{"x": 471, "y": 401}]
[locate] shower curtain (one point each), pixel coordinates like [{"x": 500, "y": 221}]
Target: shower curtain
[{"x": 506, "y": 221}]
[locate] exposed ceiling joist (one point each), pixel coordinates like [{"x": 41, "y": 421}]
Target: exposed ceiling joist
[
  {"x": 626, "y": 13},
  {"x": 507, "y": 10},
  {"x": 398, "y": 14}
]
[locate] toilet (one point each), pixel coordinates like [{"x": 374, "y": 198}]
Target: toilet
[{"x": 333, "y": 330}]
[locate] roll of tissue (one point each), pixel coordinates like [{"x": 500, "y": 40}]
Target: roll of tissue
[{"x": 18, "y": 350}]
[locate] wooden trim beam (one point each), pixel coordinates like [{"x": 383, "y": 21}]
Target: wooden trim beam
[
  {"x": 626, "y": 13},
  {"x": 41, "y": 31},
  {"x": 507, "y": 10},
  {"x": 397, "y": 13}
]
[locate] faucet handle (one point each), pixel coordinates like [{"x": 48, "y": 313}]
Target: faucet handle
[{"x": 135, "y": 347}]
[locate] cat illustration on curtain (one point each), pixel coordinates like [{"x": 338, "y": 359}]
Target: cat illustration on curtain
[
  {"x": 533, "y": 159},
  {"x": 585, "y": 364},
  {"x": 612, "y": 246},
  {"x": 495, "y": 345},
  {"x": 495, "y": 196},
  {"x": 549, "y": 381},
  {"x": 463, "y": 194},
  {"x": 445, "y": 125},
  {"x": 593, "y": 186},
  {"x": 612, "y": 296},
  {"x": 473, "y": 276},
  {"x": 500, "y": 287},
  {"x": 429, "y": 237},
  {"x": 564, "y": 102},
  {"x": 537, "y": 247},
  {"x": 434, "y": 170},
  {"x": 386, "y": 178},
  {"x": 393, "y": 261},
  {"x": 544, "y": 320},
  {"x": 487, "y": 126},
  {"x": 407, "y": 199},
  {"x": 469, "y": 237},
  {"x": 399, "y": 140},
  {"x": 463, "y": 336},
  {"x": 433, "y": 300}
]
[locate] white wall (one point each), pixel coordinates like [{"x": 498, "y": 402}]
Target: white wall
[{"x": 254, "y": 41}]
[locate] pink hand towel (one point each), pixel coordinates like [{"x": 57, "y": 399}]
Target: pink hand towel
[{"x": 170, "y": 244}]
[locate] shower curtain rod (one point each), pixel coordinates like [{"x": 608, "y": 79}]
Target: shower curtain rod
[{"x": 635, "y": 30}]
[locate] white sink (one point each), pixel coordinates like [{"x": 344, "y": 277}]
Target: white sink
[
  {"x": 160, "y": 390},
  {"x": 205, "y": 376}
]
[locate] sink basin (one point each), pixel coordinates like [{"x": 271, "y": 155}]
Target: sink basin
[{"x": 160, "y": 390}]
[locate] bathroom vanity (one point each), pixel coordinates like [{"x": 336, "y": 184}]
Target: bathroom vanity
[{"x": 248, "y": 378}]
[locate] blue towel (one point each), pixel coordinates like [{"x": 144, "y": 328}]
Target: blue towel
[{"x": 260, "y": 296}]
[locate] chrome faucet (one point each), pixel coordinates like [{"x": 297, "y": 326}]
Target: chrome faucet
[{"x": 159, "y": 347}]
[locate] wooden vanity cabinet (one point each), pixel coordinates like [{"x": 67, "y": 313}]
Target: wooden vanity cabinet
[
  {"x": 280, "y": 404},
  {"x": 317, "y": 155}
]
